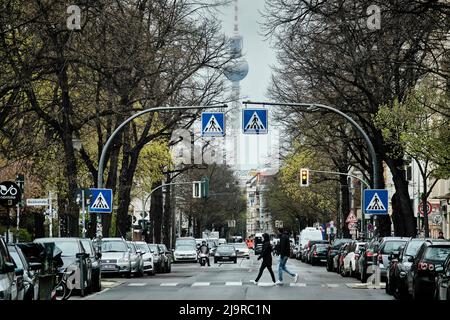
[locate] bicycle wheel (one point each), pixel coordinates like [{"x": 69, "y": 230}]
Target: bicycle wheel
[{"x": 61, "y": 291}]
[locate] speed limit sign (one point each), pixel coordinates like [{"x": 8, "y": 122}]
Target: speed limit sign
[{"x": 429, "y": 208}]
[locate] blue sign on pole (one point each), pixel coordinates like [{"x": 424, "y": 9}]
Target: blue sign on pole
[
  {"x": 213, "y": 124},
  {"x": 376, "y": 201},
  {"x": 254, "y": 121},
  {"x": 101, "y": 200}
]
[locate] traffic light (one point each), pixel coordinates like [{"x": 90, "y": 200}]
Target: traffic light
[{"x": 304, "y": 177}]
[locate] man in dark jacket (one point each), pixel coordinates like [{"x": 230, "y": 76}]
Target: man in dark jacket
[
  {"x": 284, "y": 251},
  {"x": 266, "y": 255}
]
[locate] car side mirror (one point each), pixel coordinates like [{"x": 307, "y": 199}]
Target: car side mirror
[
  {"x": 18, "y": 271},
  {"x": 9, "y": 267},
  {"x": 410, "y": 259},
  {"x": 34, "y": 266}
]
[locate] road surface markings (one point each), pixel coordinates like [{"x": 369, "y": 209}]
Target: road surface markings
[
  {"x": 169, "y": 284},
  {"x": 266, "y": 284},
  {"x": 233, "y": 283},
  {"x": 200, "y": 284},
  {"x": 137, "y": 284},
  {"x": 297, "y": 284}
]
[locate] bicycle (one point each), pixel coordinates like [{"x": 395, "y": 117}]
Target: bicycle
[{"x": 63, "y": 289}]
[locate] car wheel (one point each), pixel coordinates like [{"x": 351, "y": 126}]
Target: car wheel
[
  {"x": 215, "y": 260},
  {"x": 235, "y": 260},
  {"x": 96, "y": 285},
  {"x": 128, "y": 275},
  {"x": 343, "y": 272}
]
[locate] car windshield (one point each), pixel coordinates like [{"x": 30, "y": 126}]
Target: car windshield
[
  {"x": 113, "y": 246},
  {"x": 391, "y": 246},
  {"x": 87, "y": 247},
  {"x": 240, "y": 245},
  {"x": 68, "y": 248},
  {"x": 225, "y": 249},
  {"x": 184, "y": 242},
  {"x": 184, "y": 248},
  {"x": 437, "y": 254},
  {"x": 321, "y": 248},
  {"x": 153, "y": 247},
  {"x": 143, "y": 247},
  {"x": 413, "y": 248},
  {"x": 16, "y": 259},
  {"x": 131, "y": 247}
]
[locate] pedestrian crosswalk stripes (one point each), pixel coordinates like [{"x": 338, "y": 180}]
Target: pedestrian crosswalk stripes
[{"x": 238, "y": 283}]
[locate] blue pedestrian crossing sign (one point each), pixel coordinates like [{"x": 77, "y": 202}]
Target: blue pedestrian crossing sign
[
  {"x": 213, "y": 124},
  {"x": 254, "y": 121},
  {"x": 376, "y": 201},
  {"x": 101, "y": 200}
]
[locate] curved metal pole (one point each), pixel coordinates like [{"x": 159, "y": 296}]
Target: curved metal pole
[
  {"x": 344, "y": 174},
  {"x": 113, "y": 135},
  {"x": 353, "y": 122},
  {"x": 163, "y": 185}
]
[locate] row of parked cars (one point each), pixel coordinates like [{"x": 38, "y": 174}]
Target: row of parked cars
[
  {"x": 414, "y": 268},
  {"x": 22, "y": 265}
]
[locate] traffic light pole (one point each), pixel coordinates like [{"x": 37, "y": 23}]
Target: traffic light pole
[
  {"x": 373, "y": 155},
  {"x": 101, "y": 162}
]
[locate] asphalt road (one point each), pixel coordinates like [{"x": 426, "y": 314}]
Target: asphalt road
[{"x": 229, "y": 281}]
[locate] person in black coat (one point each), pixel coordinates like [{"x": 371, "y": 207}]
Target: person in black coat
[{"x": 266, "y": 255}]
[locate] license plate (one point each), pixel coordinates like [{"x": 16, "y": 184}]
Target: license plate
[
  {"x": 323, "y": 260},
  {"x": 226, "y": 258},
  {"x": 109, "y": 266}
]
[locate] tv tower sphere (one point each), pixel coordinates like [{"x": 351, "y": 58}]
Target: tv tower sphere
[{"x": 237, "y": 68}]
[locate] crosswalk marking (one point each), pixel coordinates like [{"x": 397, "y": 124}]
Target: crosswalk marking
[
  {"x": 169, "y": 284},
  {"x": 137, "y": 284},
  {"x": 330, "y": 285},
  {"x": 233, "y": 283},
  {"x": 200, "y": 284},
  {"x": 298, "y": 284}
]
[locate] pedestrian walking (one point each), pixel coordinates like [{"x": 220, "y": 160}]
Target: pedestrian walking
[
  {"x": 266, "y": 255},
  {"x": 284, "y": 251}
]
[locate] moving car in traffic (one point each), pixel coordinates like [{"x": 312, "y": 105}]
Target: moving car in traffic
[{"x": 225, "y": 253}]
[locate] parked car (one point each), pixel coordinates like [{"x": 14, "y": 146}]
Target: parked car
[
  {"x": 167, "y": 257},
  {"x": 115, "y": 257},
  {"x": 185, "y": 253},
  {"x": 30, "y": 275},
  {"x": 422, "y": 282},
  {"x": 96, "y": 278},
  {"x": 350, "y": 262},
  {"x": 226, "y": 253},
  {"x": 387, "y": 246},
  {"x": 11, "y": 287},
  {"x": 147, "y": 257},
  {"x": 399, "y": 266},
  {"x": 339, "y": 258},
  {"x": 158, "y": 259},
  {"x": 333, "y": 251},
  {"x": 309, "y": 247},
  {"x": 73, "y": 250},
  {"x": 137, "y": 263},
  {"x": 443, "y": 281},
  {"x": 368, "y": 259},
  {"x": 242, "y": 250},
  {"x": 319, "y": 253}
]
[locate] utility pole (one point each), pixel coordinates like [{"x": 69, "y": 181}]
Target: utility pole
[{"x": 50, "y": 215}]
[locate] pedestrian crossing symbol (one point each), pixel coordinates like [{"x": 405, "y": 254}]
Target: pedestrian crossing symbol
[
  {"x": 102, "y": 200},
  {"x": 376, "y": 201},
  {"x": 213, "y": 124},
  {"x": 254, "y": 121}
]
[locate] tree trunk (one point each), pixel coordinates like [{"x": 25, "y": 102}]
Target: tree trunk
[
  {"x": 167, "y": 217},
  {"x": 345, "y": 203},
  {"x": 405, "y": 211},
  {"x": 156, "y": 208},
  {"x": 39, "y": 230}
]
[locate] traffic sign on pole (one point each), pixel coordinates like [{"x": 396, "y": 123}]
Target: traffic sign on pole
[
  {"x": 376, "y": 201},
  {"x": 213, "y": 124},
  {"x": 254, "y": 121},
  {"x": 102, "y": 200},
  {"x": 37, "y": 202},
  {"x": 10, "y": 194},
  {"x": 429, "y": 208}
]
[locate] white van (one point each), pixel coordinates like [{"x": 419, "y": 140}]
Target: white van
[{"x": 309, "y": 233}]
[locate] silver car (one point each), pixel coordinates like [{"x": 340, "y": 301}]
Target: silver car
[
  {"x": 147, "y": 257},
  {"x": 115, "y": 257},
  {"x": 243, "y": 250},
  {"x": 185, "y": 253},
  {"x": 137, "y": 263}
]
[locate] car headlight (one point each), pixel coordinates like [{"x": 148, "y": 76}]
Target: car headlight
[
  {"x": 217, "y": 254},
  {"x": 233, "y": 254},
  {"x": 126, "y": 259}
]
